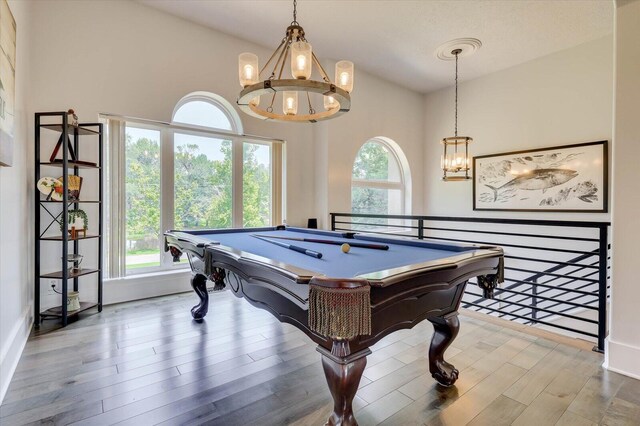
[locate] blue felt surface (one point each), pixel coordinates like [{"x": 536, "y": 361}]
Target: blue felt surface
[{"x": 334, "y": 263}]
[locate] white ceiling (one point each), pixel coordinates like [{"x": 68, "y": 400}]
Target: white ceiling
[{"x": 396, "y": 40}]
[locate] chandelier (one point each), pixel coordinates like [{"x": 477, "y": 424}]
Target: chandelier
[
  {"x": 455, "y": 160},
  {"x": 258, "y": 97}
]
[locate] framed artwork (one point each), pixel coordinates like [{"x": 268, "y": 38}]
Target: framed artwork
[
  {"x": 571, "y": 178},
  {"x": 7, "y": 82}
]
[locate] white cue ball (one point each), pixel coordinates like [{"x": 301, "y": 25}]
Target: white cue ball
[{"x": 345, "y": 248}]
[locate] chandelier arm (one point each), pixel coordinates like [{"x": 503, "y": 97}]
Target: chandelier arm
[
  {"x": 284, "y": 59},
  {"x": 311, "y": 110},
  {"x": 325, "y": 77},
  {"x": 273, "y": 98},
  {"x": 283, "y": 56},
  {"x": 272, "y": 56}
]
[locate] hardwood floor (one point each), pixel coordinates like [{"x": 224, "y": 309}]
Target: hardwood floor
[{"x": 147, "y": 362}]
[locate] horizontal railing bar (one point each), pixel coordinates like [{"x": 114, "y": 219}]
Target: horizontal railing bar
[
  {"x": 561, "y": 290},
  {"x": 585, "y": 293},
  {"x": 529, "y": 296},
  {"x": 537, "y": 321},
  {"x": 562, "y": 310},
  {"x": 556, "y": 262},
  {"x": 534, "y": 308},
  {"x": 555, "y": 237},
  {"x": 567, "y": 309},
  {"x": 561, "y": 223},
  {"x": 379, "y": 224},
  {"x": 572, "y": 280},
  {"x": 551, "y": 274},
  {"x": 510, "y": 245},
  {"x": 378, "y": 233}
]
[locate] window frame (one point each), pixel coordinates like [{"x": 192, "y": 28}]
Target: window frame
[
  {"x": 403, "y": 184},
  {"x": 116, "y": 152}
]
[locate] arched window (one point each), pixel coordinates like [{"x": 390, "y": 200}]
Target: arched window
[
  {"x": 381, "y": 179},
  {"x": 205, "y": 109}
]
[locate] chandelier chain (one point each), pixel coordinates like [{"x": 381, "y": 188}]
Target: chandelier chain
[
  {"x": 456, "y": 119},
  {"x": 295, "y": 13}
]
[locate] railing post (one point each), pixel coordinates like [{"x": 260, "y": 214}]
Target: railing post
[
  {"x": 333, "y": 221},
  {"x": 421, "y": 229},
  {"x": 534, "y": 300},
  {"x": 602, "y": 287}
]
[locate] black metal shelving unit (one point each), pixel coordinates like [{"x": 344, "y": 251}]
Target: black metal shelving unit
[{"x": 69, "y": 135}]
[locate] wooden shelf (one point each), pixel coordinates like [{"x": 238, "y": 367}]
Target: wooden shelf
[
  {"x": 57, "y": 311},
  {"x": 70, "y": 164},
  {"x": 70, "y": 129},
  {"x": 59, "y": 238},
  {"x": 81, "y": 272}
]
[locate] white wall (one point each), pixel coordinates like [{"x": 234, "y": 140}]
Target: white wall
[
  {"x": 379, "y": 108},
  {"x": 559, "y": 99},
  {"x": 138, "y": 61},
  {"x": 16, "y": 233},
  {"x": 623, "y": 344}
]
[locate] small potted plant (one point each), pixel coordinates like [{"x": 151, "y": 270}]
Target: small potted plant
[{"x": 75, "y": 231}]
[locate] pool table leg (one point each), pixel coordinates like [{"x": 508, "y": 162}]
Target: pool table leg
[
  {"x": 343, "y": 372},
  {"x": 445, "y": 330},
  {"x": 199, "y": 285}
]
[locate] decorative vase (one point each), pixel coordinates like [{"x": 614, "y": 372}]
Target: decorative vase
[{"x": 73, "y": 301}]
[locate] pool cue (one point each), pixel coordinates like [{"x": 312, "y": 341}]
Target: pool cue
[
  {"x": 335, "y": 242},
  {"x": 302, "y": 250}
]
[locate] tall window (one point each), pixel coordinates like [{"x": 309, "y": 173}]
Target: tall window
[
  {"x": 142, "y": 197},
  {"x": 199, "y": 172},
  {"x": 380, "y": 178}
]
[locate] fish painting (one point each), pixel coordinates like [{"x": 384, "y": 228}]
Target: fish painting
[{"x": 538, "y": 179}]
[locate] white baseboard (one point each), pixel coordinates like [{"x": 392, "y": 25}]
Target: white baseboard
[
  {"x": 12, "y": 349},
  {"x": 147, "y": 285},
  {"x": 622, "y": 358}
]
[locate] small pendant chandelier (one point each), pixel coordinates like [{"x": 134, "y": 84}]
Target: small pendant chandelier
[
  {"x": 298, "y": 90},
  {"x": 455, "y": 161}
]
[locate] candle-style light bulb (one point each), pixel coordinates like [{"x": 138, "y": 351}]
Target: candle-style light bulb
[
  {"x": 301, "y": 62},
  {"x": 344, "y": 78},
  {"x": 344, "y": 75},
  {"x": 301, "y": 54},
  {"x": 247, "y": 69},
  {"x": 330, "y": 102},
  {"x": 290, "y": 103},
  {"x": 248, "y": 72}
]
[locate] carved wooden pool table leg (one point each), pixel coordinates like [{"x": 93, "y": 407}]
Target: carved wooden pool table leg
[
  {"x": 445, "y": 330},
  {"x": 199, "y": 285},
  {"x": 343, "y": 371}
]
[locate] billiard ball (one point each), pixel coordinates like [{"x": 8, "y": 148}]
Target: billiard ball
[{"x": 345, "y": 248}]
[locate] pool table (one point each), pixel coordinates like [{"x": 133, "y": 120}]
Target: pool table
[{"x": 345, "y": 302}]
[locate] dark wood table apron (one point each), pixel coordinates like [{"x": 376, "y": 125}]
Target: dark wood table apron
[{"x": 395, "y": 303}]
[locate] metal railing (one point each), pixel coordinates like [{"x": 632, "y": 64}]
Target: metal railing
[{"x": 556, "y": 271}]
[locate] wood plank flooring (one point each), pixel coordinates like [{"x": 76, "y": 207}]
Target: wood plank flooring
[{"x": 147, "y": 363}]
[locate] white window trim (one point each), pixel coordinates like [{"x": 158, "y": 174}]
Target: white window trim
[{"x": 115, "y": 187}]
